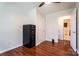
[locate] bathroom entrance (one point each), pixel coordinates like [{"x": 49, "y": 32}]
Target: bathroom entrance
[{"x": 66, "y": 29}]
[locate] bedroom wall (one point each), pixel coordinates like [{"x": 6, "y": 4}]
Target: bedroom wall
[
  {"x": 40, "y": 27},
  {"x": 12, "y": 18}
]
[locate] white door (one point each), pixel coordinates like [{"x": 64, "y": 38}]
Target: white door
[{"x": 73, "y": 30}]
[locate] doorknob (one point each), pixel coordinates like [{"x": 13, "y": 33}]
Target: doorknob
[{"x": 74, "y": 32}]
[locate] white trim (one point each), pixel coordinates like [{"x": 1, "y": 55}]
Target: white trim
[
  {"x": 38, "y": 43},
  {"x": 74, "y": 49},
  {"x": 10, "y": 49},
  {"x": 78, "y": 52}
]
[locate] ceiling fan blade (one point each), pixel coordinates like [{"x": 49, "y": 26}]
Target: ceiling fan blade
[
  {"x": 41, "y": 4},
  {"x": 56, "y": 2}
]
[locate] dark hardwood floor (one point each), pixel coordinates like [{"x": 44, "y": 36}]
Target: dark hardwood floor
[{"x": 46, "y": 48}]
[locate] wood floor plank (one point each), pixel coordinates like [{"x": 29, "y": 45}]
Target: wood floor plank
[{"x": 46, "y": 48}]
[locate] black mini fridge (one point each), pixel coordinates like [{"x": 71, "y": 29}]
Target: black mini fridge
[{"x": 29, "y": 35}]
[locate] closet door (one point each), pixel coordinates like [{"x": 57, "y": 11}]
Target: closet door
[{"x": 73, "y": 29}]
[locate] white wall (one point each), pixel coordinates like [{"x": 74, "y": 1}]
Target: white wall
[
  {"x": 52, "y": 26},
  {"x": 12, "y": 18},
  {"x": 40, "y": 27}
]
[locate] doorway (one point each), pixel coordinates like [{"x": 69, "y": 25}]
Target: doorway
[{"x": 66, "y": 29}]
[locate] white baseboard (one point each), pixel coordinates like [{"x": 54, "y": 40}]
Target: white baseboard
[
  {"x": 39, "y": 43},
  {"x": 78, "y": 52},
  {"x": 10, "y": 49}
]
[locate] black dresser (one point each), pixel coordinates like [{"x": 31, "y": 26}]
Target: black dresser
[{"x": 29, "y": 35}]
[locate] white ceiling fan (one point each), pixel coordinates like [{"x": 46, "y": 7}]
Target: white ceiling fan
[{"x": 47, "y": 3}]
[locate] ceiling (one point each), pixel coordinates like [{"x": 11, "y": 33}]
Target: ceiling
[
  {"x": 45, "y": 9},
  {"x": 55, "y": 7},
  {"x": 23, "y": 5}
]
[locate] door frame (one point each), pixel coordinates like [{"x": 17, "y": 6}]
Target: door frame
[{"x": 76, "y": 31}]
